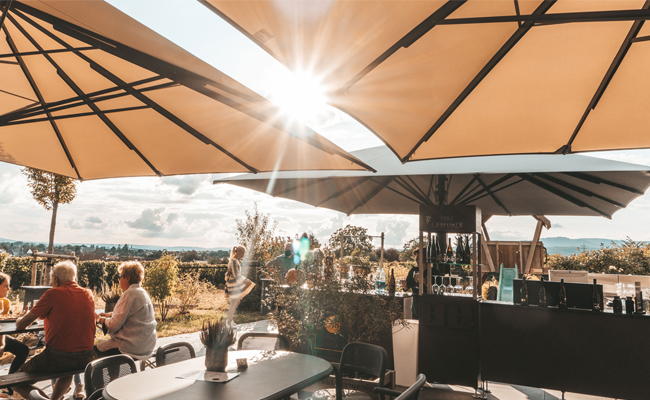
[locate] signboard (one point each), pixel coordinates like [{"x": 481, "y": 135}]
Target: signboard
[{"x": 450, "y": 219}]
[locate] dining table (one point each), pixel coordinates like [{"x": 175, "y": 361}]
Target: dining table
[
  {"x": 8, "y": 327},
  {"x": 270, "y": 375}
]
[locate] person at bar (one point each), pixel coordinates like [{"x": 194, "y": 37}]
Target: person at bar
[
  {"x": 8, "y": 343},
  {"x": 283, "y": 263},
  {"x": 68, "y": 311}
]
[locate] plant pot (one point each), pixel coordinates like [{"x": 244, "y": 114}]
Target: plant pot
[
  {"x": 109, "y": 307},
  {"x": 216, "y": 359}
]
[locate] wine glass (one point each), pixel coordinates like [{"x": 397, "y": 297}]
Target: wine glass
[
  {"x": 470, "y": 286},
  {"x": 452, "y": 286},
  {"x": 434, "y": 285},
  {"x": 439, "y": 285},
  {"x": 458, "y": 288},
  {"x": 445, "y": 285}
]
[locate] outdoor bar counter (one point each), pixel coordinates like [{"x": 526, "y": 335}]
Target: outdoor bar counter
[{"x": 463, "y": 341}]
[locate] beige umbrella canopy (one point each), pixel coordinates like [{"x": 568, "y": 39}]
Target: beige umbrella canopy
[
  {"x": 436, "y": 79},
  {"x": 88, "y": 92}
]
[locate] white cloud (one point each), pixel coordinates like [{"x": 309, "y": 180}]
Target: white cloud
[{"x": 150, "y": 220}]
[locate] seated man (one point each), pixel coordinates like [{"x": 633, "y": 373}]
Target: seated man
[
  {"x": 69, "y": 314},
  {"x": 283, "y": 263}
]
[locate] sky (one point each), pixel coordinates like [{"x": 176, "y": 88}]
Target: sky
[{"x": 191, "y": 211}]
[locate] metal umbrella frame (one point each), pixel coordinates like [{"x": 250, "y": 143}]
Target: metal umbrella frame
[
  {"x": 503, "y": 185},
  {"x": 88, "y": 92},
  {"x": 438, "y": 79}
]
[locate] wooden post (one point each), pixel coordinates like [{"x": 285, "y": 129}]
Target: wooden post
[
  {"x": 381, "y": 261},
  {"x": 541, "y": 221},
  {"x": 33, "y": 281},
  {"x": 421, "y": 274}
]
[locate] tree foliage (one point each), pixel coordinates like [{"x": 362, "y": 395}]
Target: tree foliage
[
  {"x": 50, "y": 190},
  {"x": 630, "y": 257},
  {"x": 390, "y": 254},
  {"x": 256, "y": 232},
  {"x": 160, "y": 280},
  {"x": 353, "y": 237}
]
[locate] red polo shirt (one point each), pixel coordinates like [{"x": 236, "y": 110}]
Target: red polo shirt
[{"x": 69, "y": 315}]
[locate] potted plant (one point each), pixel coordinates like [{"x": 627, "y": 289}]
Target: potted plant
[
  {"x": 110, "y": 296},
  {"x": 216, "y": 335}
]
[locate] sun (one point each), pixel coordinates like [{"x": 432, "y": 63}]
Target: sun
[{"x": 300, "y": 96}]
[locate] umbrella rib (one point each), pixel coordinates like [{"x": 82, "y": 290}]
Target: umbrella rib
[
  {"x": 80, "y": 92},
  {"x": 39, "y": 95},
  {"x": 4, "y": 13},
  {"x": 555, "y": 18},
  {"x": 470, "y": 197},
  {"x": 510, "y": 43},
  {"x": 416, "y": 33},
  {"x": 77, "y": 101},
  {"x": 301, "y": 185},
  {"x": 76, "y": 115},
  {"x": 480, "y": 196},
  {"x": 372, "y": 194},
  {"x": 423, "y": 199},
  {"x": 37, "y": 53},
  {"x": 597, "y": 180},
  {"x": 415, "y": 200},
  {"x": 462, "y": 192},
  {"x": 563, "y": 195},
  {"x": 345, "y": 190},
  {"x": 415, "y": 185},
  {"x": 492, "y": 195},
  {"x": 430, "y": 191},
  {"x": 578, "y": 189},
  {"x": 17, "y": 95},
  {"x": 616, "y": 62}
]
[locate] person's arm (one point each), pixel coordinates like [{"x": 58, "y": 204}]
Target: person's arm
[
  {"x": 117, "y": 318},
  {"x": 26, "y": 320}
]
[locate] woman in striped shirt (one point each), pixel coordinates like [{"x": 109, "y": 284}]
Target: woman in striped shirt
[{"x": 236, "y": 285}]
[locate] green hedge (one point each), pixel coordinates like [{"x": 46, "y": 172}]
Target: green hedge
[{"x": 92, "y": 274}]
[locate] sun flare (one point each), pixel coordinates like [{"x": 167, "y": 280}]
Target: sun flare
[{"x": 301, "y": 97}]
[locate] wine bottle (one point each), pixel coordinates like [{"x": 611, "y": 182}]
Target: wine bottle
[
  {"x": 639, "y": 299},
  {"x": 441, "y": 254},
  {"x": 629, "y": 305},
  {"x": 459, "y": 250},
  {"x": 617, "y": 305},
  {"x": 434, "y": 250},
  {"x": 427, "y": 259},
  {"x": 595, "y": 298},
  {"x": 391, "y": 283},
  {"x": 523, "y": 292},
  {"x": 450, "y": 253},
  {"x": 542, "y": 293},
  {"x": 562, "y": 300},
  {"x": 468, "y": 252}
]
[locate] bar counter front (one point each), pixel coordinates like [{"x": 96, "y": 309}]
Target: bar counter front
[{"x": 464, "y": 341}]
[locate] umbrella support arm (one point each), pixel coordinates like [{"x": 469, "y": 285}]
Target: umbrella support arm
[{"x": 542, "y": 221}]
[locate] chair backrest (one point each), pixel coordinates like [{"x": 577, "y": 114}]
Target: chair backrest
[
  {"x": 104, "y": 370},
  {"x": 282, "y": 341},
  {"x": 413, "y": 391},
  {"x": 97, "y": 395},
  {"x": 366, "y": 359},
  {"x": 174, "y": 352}
]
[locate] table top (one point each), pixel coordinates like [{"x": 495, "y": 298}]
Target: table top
[
  {"x": 270, "y": 375},
  {"x": 9, "y": 327}
]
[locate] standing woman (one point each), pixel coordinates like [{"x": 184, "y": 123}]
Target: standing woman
[
  {"x": 236, "y": 285},
  {"x": 8, "y": 343}
]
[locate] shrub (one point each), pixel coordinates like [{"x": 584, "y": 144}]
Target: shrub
[
  {"x": 20, "y": 271},
  {"x": 189, "y": 291},
  {"x": 160, "y": 280}
]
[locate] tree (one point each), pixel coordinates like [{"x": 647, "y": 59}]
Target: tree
[
  {"x": 160, "y": 281},
  {"x": 407, "y": 252},
  {"x": 191, "y": 255},
  {"x": 256, "y": 233},
  {"x": 50, "y": 190},
  {"x": 390, "y": 254},
  {"x": 353, "y": 237}
]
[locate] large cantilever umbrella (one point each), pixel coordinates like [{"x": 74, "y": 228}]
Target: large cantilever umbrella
[
  {"x": 436, "y": 79},
  {"x": 88, "y": 92},
  {"x": 501, "y": 185}
]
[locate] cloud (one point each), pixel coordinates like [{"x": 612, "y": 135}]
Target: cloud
[
  {"x": 508, "y": 235},
  {"x": 188, "y": 184},
  {"x": 394, "y": 231},
  {"x": 151, "y": 220},
  {"x": 557, "y": 226},
  {"x": 72, "y": 224}
]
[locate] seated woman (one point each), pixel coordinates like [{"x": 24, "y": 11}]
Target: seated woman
[
  {"x": 8, "y": 343},
  {"x": 132, "y": 324}
]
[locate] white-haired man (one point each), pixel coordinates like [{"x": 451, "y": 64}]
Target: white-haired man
[{"x": 69, "y": 314}]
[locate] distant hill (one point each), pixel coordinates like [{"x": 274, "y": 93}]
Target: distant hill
[
  {"x": 566, "y": 246},
  {"x": 135, "y": 246}
]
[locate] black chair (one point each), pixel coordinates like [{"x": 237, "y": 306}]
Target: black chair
[
  {"x": 174, "y": 352},
  {"x": 358, "y": 360},
  {"x": 97, "y": 395},
  {"x": 282, "y": 341},
  {"x": 104, "y": 370},
  {"x": 411, "y": 393}
]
